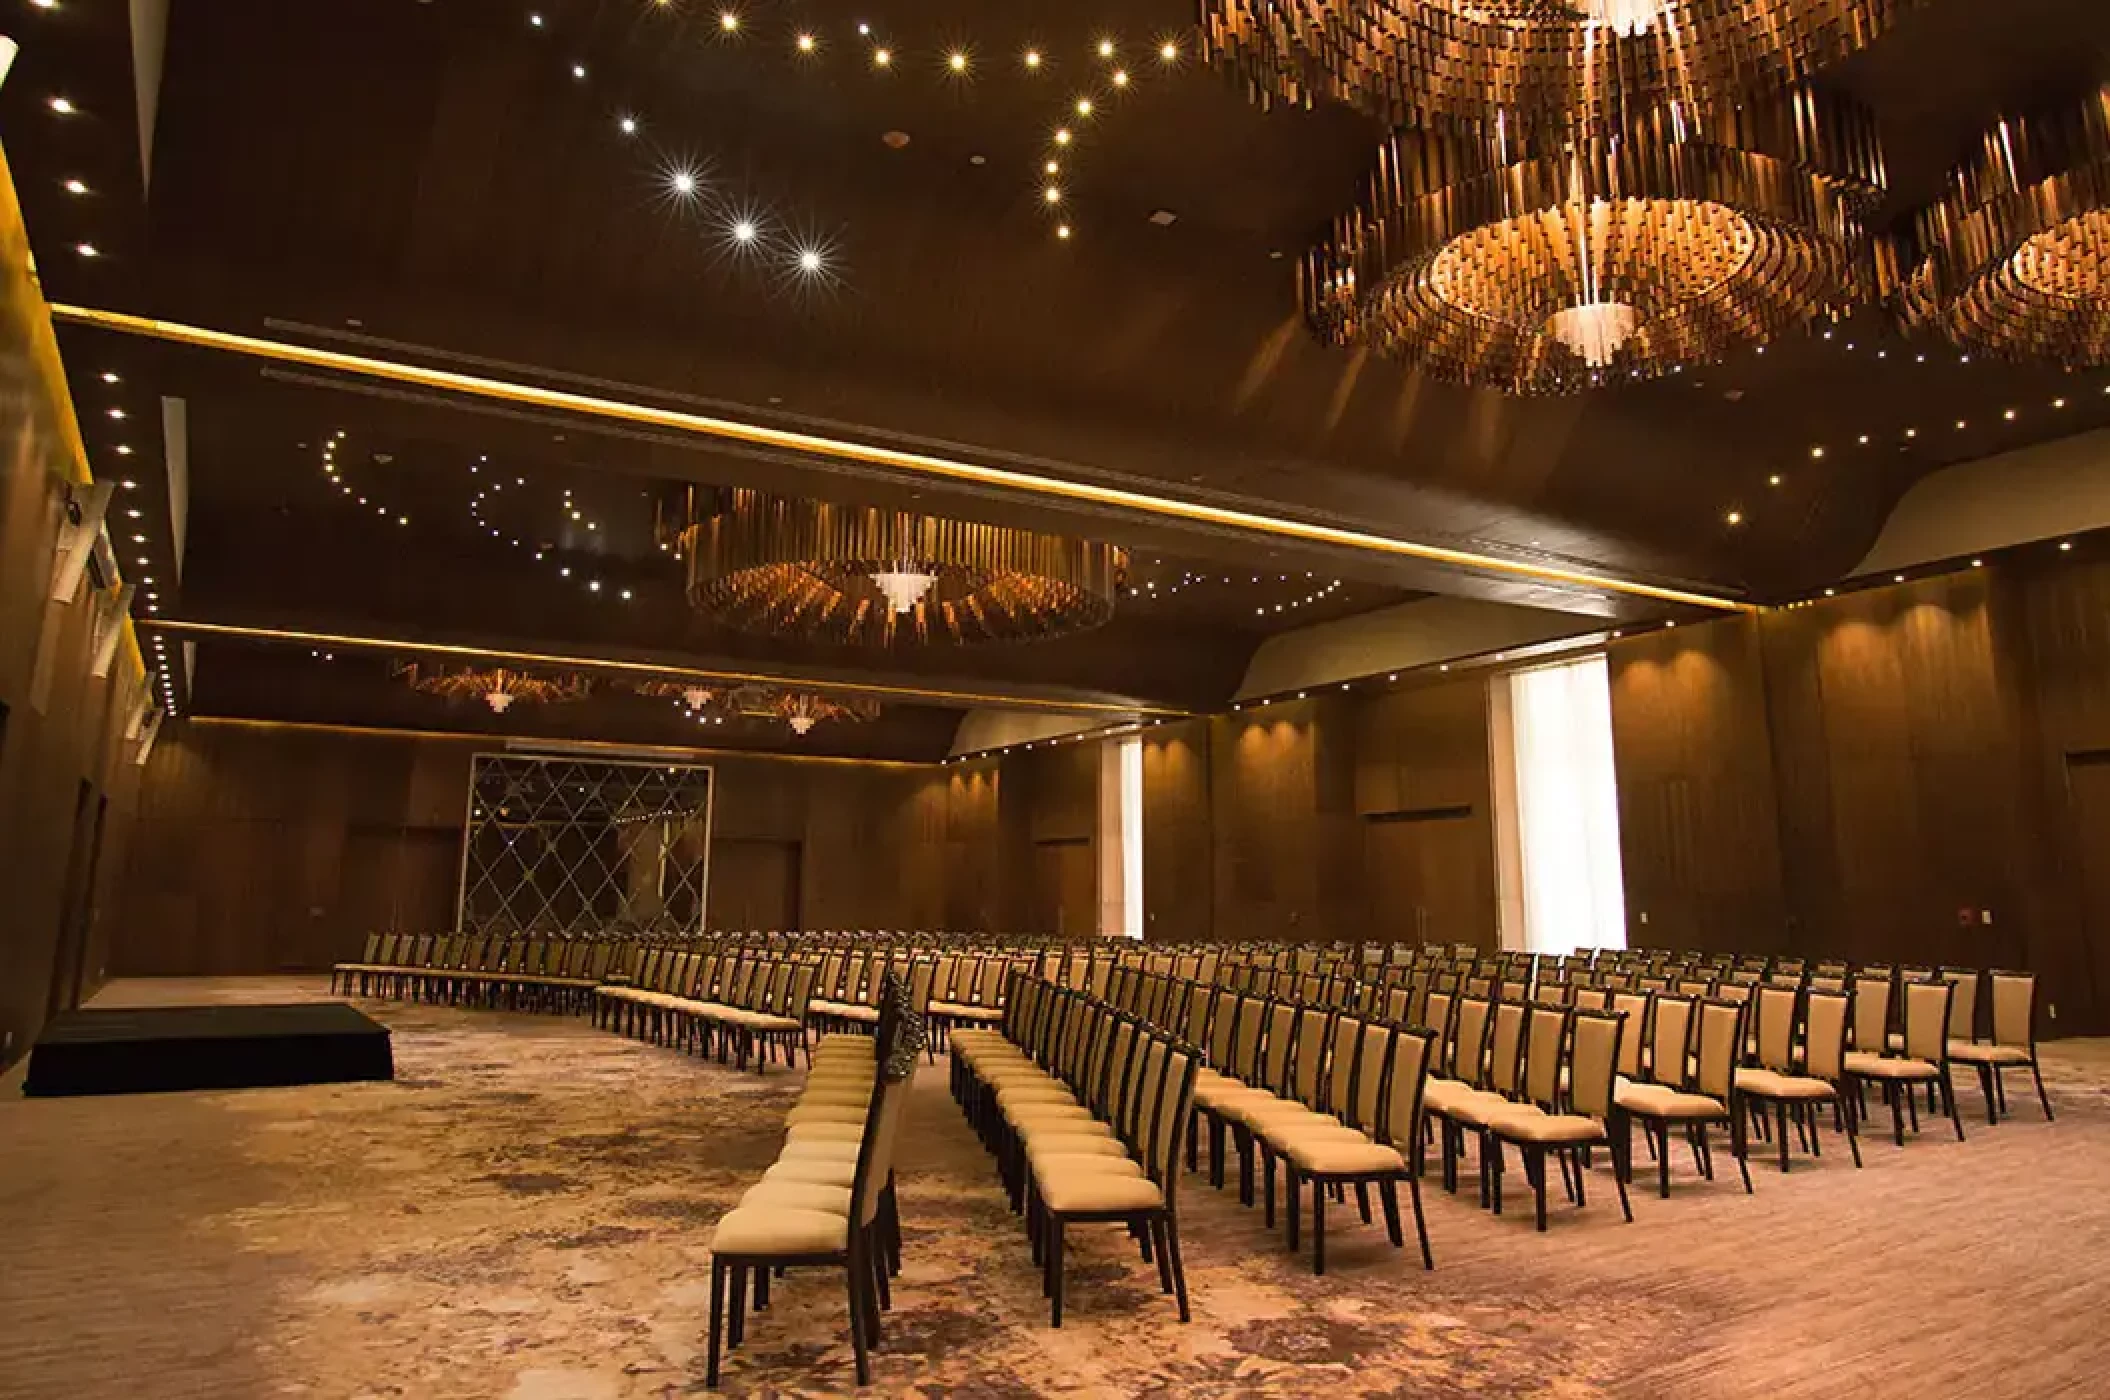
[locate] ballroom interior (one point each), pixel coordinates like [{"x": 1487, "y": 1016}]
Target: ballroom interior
[{"x": 1171, "y": 698}]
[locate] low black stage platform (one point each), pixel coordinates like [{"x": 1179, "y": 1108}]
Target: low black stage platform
[{"x": 151, "y": 1049}]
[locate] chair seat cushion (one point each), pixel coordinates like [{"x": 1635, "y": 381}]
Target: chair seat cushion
[
  {"x": 1771, "y": 1084},
  {"x": 824, "y": 1171},
  {"x": 1046, "y": 1164},
  {"x": 1330, "y": 1155},
  {"x": 1885, "y": 1067},
  {"x": 1075, "y": 1145},
  {"x": 798, "y": 1195},
  {"x": 1656, "y": 1102},
  {"x": 1440, "y": 1094},
  {"x": 961, "y": 1011},
  {"x": 1478, "y": 1108},
  {"x": 777, "y": 1230},
  {"x": 1085, "y": 1190},
  {"x": 1033, "y": 1130},
  {"x": 1050, "y": 1091},
  {"x": 1526, "y": 1124},
  {"x": 1980, "y": 1053},
  {"x": 824, "y": 1132},
  {"x": 825, "y": 1113},
  {"x": 820, "y": 1149}
]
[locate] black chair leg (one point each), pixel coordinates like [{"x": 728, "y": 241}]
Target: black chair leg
[
  {"x": 860, "y": 1345},
  {"x": 1179, "y": 1271},
  {"x": 710, "y": 1373},
  {"x": 2042, "y": 1097}
]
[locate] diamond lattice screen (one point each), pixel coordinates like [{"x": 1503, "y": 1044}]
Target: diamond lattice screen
[{"x": 576, "y": 845}]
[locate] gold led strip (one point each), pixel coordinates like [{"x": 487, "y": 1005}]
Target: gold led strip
[
  {"x": 927, "y": 694},
  {"x": 558, "y": 744},
  {"x": 921, "y": 464}
]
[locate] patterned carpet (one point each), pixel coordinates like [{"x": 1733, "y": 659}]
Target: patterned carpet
[{"x": 523, "y": 1216}]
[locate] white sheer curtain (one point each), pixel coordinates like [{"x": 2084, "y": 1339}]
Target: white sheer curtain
[{"x": 1567, "y": 807}]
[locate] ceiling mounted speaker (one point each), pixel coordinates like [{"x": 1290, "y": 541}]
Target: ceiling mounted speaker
[
  {"x": 2015, "y": 256},
  {"x": 1550, "y": 263},
  {"x": 1460, "y": 64}
]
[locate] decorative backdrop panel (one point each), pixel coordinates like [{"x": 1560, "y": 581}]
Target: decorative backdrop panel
[{"x": 562, "y": 844}]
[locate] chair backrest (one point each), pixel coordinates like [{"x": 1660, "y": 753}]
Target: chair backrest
[
  {"x": 2015, "y": 1010},
  {"x": 1406, "y": 1077},
  {"x": 1545, "y": 1031},
  {"x": 1593, "y": 998},
  {"x": 1776, "y": 1028},
  {"x": 1505, "y": 1048},
  {"x": 1635, "y": 1007},
  {"x": 1671, "y": 1025},
  {"x": 1927, "y": 1019},
  {"x": 1471, "y": 1020},
  {"x": 1824, "y": 1017},
  {"x": 1308, "y": 1060},
  {"x": 1593, "y": 1059},
  {"x": 1344, "y": 1042},
  {"x": 1963, "y": 1007},
  {"x": 1275, "y": 1054},
  {"x": 1722, "y": 1045},
  {"x": 1871, "y": 1023}
]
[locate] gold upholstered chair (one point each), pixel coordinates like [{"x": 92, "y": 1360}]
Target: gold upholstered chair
[
  {"x": 1800, "y": 1078},
  {"x": 2013, "y": 1046},
  {"x": 1693, "y": 1104},
  {"x": 1565, "y": 1125},
  {"x": 1925, "y": 1057}
]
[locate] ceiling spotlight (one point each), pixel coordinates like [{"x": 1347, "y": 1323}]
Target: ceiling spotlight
[
  {"x": 1062, "y": 230},
  {"x": 728, "y": 21},
  {"x": 1032, "y": 58},
  {"x": 63, "y": 107},
  {"x": 1168, "y": 52},
  {"x": 806, "y": 43},
  {"x": 1978, "y": 563},
  {"x": 1816, "y": 452},
  {"x": 1084, "y": 106},
  {"x": 129, "y": 484},
  {"x": 1053, "y": 167},
  {"x": 1734, "y": 517},
  {"x": 683, "y": 182},
  {"x": 535, "y": 20},
  {"x": 1106, "y": 48},
  {"x": 124, "y": 449},
  {"x": 1773, "y": 480},
  {"x": 956, "y": 61},
  {"x": 628, "y": 126},
  {"x": 76, "y": 187},
  {"x": 881, "y": 58},
  {"x": 2009, "y": 415},
  {"x": 1120, "y": 78},
  {"x": 87, "y": 250},
  {"x": 2065, "y": 544},
  {"x": 743, "y": 231},
  {"x": 809, "y": 260},
  {"x": 578, "y": 70},
  {"x": 1052, "y": 194},
  {"x": 1062, "y": 138},
  {"x": 110, "y": 376},
  {"x": 117, "y": 413}
]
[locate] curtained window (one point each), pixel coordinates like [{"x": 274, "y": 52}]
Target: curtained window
[{"x": 1563, "y": 885}]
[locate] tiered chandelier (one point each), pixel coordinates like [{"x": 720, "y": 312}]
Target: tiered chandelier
[
  {"x": 499, "y": 687},
  {"x": 870, "y": 577},
  {"x": 1579, "y": 192},
  {"x": 2016, "y": 255}
]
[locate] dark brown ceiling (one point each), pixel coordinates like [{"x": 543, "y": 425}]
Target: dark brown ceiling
[{"x": 431, "y": 182}]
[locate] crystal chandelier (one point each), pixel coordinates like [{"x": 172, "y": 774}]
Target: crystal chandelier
[
  {"x": 2017, "y": 251},
  {"x": 1550, "y": 262},
  {"x": 1453, "y": 65}
]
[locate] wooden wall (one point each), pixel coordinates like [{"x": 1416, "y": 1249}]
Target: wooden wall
[
  {"x": 263, "y": 848},
  {"x": 1902, "y": 774},
  {"x": 64, "y": 754}
]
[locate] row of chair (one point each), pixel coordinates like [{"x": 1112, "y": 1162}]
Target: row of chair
[
  {"x": 830, "y": 1199},
  {"x": 493, "y": 970},
  {"x": 737, "y": 1005}
]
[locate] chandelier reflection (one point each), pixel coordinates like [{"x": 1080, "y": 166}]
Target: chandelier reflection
[
  {"x": 1457, "y": 64},
  {"x": 498, "y": 687},
  {"x": 2016, "y": 254},
  {"x": 871, "y": 577},
  {"x": 1549, "y": 263}
]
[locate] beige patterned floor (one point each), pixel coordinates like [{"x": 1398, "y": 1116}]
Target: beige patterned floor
[{"x": 523, "y": 1216}]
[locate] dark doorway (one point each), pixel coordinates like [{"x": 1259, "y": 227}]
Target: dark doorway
[
  {"x": 77, "y": 913},
  {"x": 1431, "y": 877}
]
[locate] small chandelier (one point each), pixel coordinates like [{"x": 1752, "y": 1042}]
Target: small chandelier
[
  {"x": 688, "y": 693},
  {"x": 782, "y": 565},
  {"x": 801, "y": 709},
  {"x": 2016, "y": 254},
  {"x": 499, "y": 687}
]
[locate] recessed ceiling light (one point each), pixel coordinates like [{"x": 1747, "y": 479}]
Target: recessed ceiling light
[
  {"x": 806, "y": 43},
  {"x": 1773, "y": 480},
  {"x": 1084, "y": 106},
  {"x": 1106, "y": 48},
  {"x": 1978, "y": 563},
  {"x": 1052, "y": 194},
  {"x": 881, "y": 57},
  {"x": 1120, "y": 78},
  {"x": 728, "y": 21},
  {"x": 1053, "y": 167},
  {"x": 743, "y": 231},
  {"x": 124, "y": 449},
  {"x": 2065, "y": 544},
  {"x": 809, "y": 260},
  {"x": 578, "y": 70},
  {"x": 63, "y": 106},
  {"x": 956, "y": 61},
  {"x": 87, "y": 250},
  {"x": 1062, "y": 138},
  {"x": 535, "y": 19},
  {"x": 1734, "y": 517},
  {"x": 628, "y": 126},
  {"x": 117, "y": 413},
  {"x": 684, "y": 182},
  {"x": 1062, "y": 230},
  {"x": 1032, "y": 58},
  {"x": 110, "y": 376},
  {"x": 1816, "y": 452},
  {"x": 129, "y": 484},
  {"x": 76, "y": 187},
  {"x": 1163, "y": 218},
  {"x": 1897, "y": 578}
]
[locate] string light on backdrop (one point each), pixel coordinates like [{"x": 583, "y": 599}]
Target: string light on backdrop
[
  {"x": 1551, "y": 262},
  {"x": 786, "y": 566},
  {"x": 1571, "y": 64},
  {"x": 2017, "y": 251}
]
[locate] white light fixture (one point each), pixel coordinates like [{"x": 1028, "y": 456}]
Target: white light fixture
[
  {"x": 1595, "y": 330},
  {"x": 904, "y": 586},
  {"x": 1629, "y": 19}
]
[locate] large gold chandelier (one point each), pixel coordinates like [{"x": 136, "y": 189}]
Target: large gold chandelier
[
  {"x": 865, "y": 576},
  {"x": 2016, "y": 255},
  {"x": 1458, "y": 64},
  {"x": 499, "y": 687},
  {"x": 1544, "y": 262}
]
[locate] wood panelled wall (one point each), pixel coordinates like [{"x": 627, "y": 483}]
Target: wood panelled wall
[
  {"x": 65, "y": 760},
  {"x": 262, "y": 848},
  {"x": 1873, "y": 775}
]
